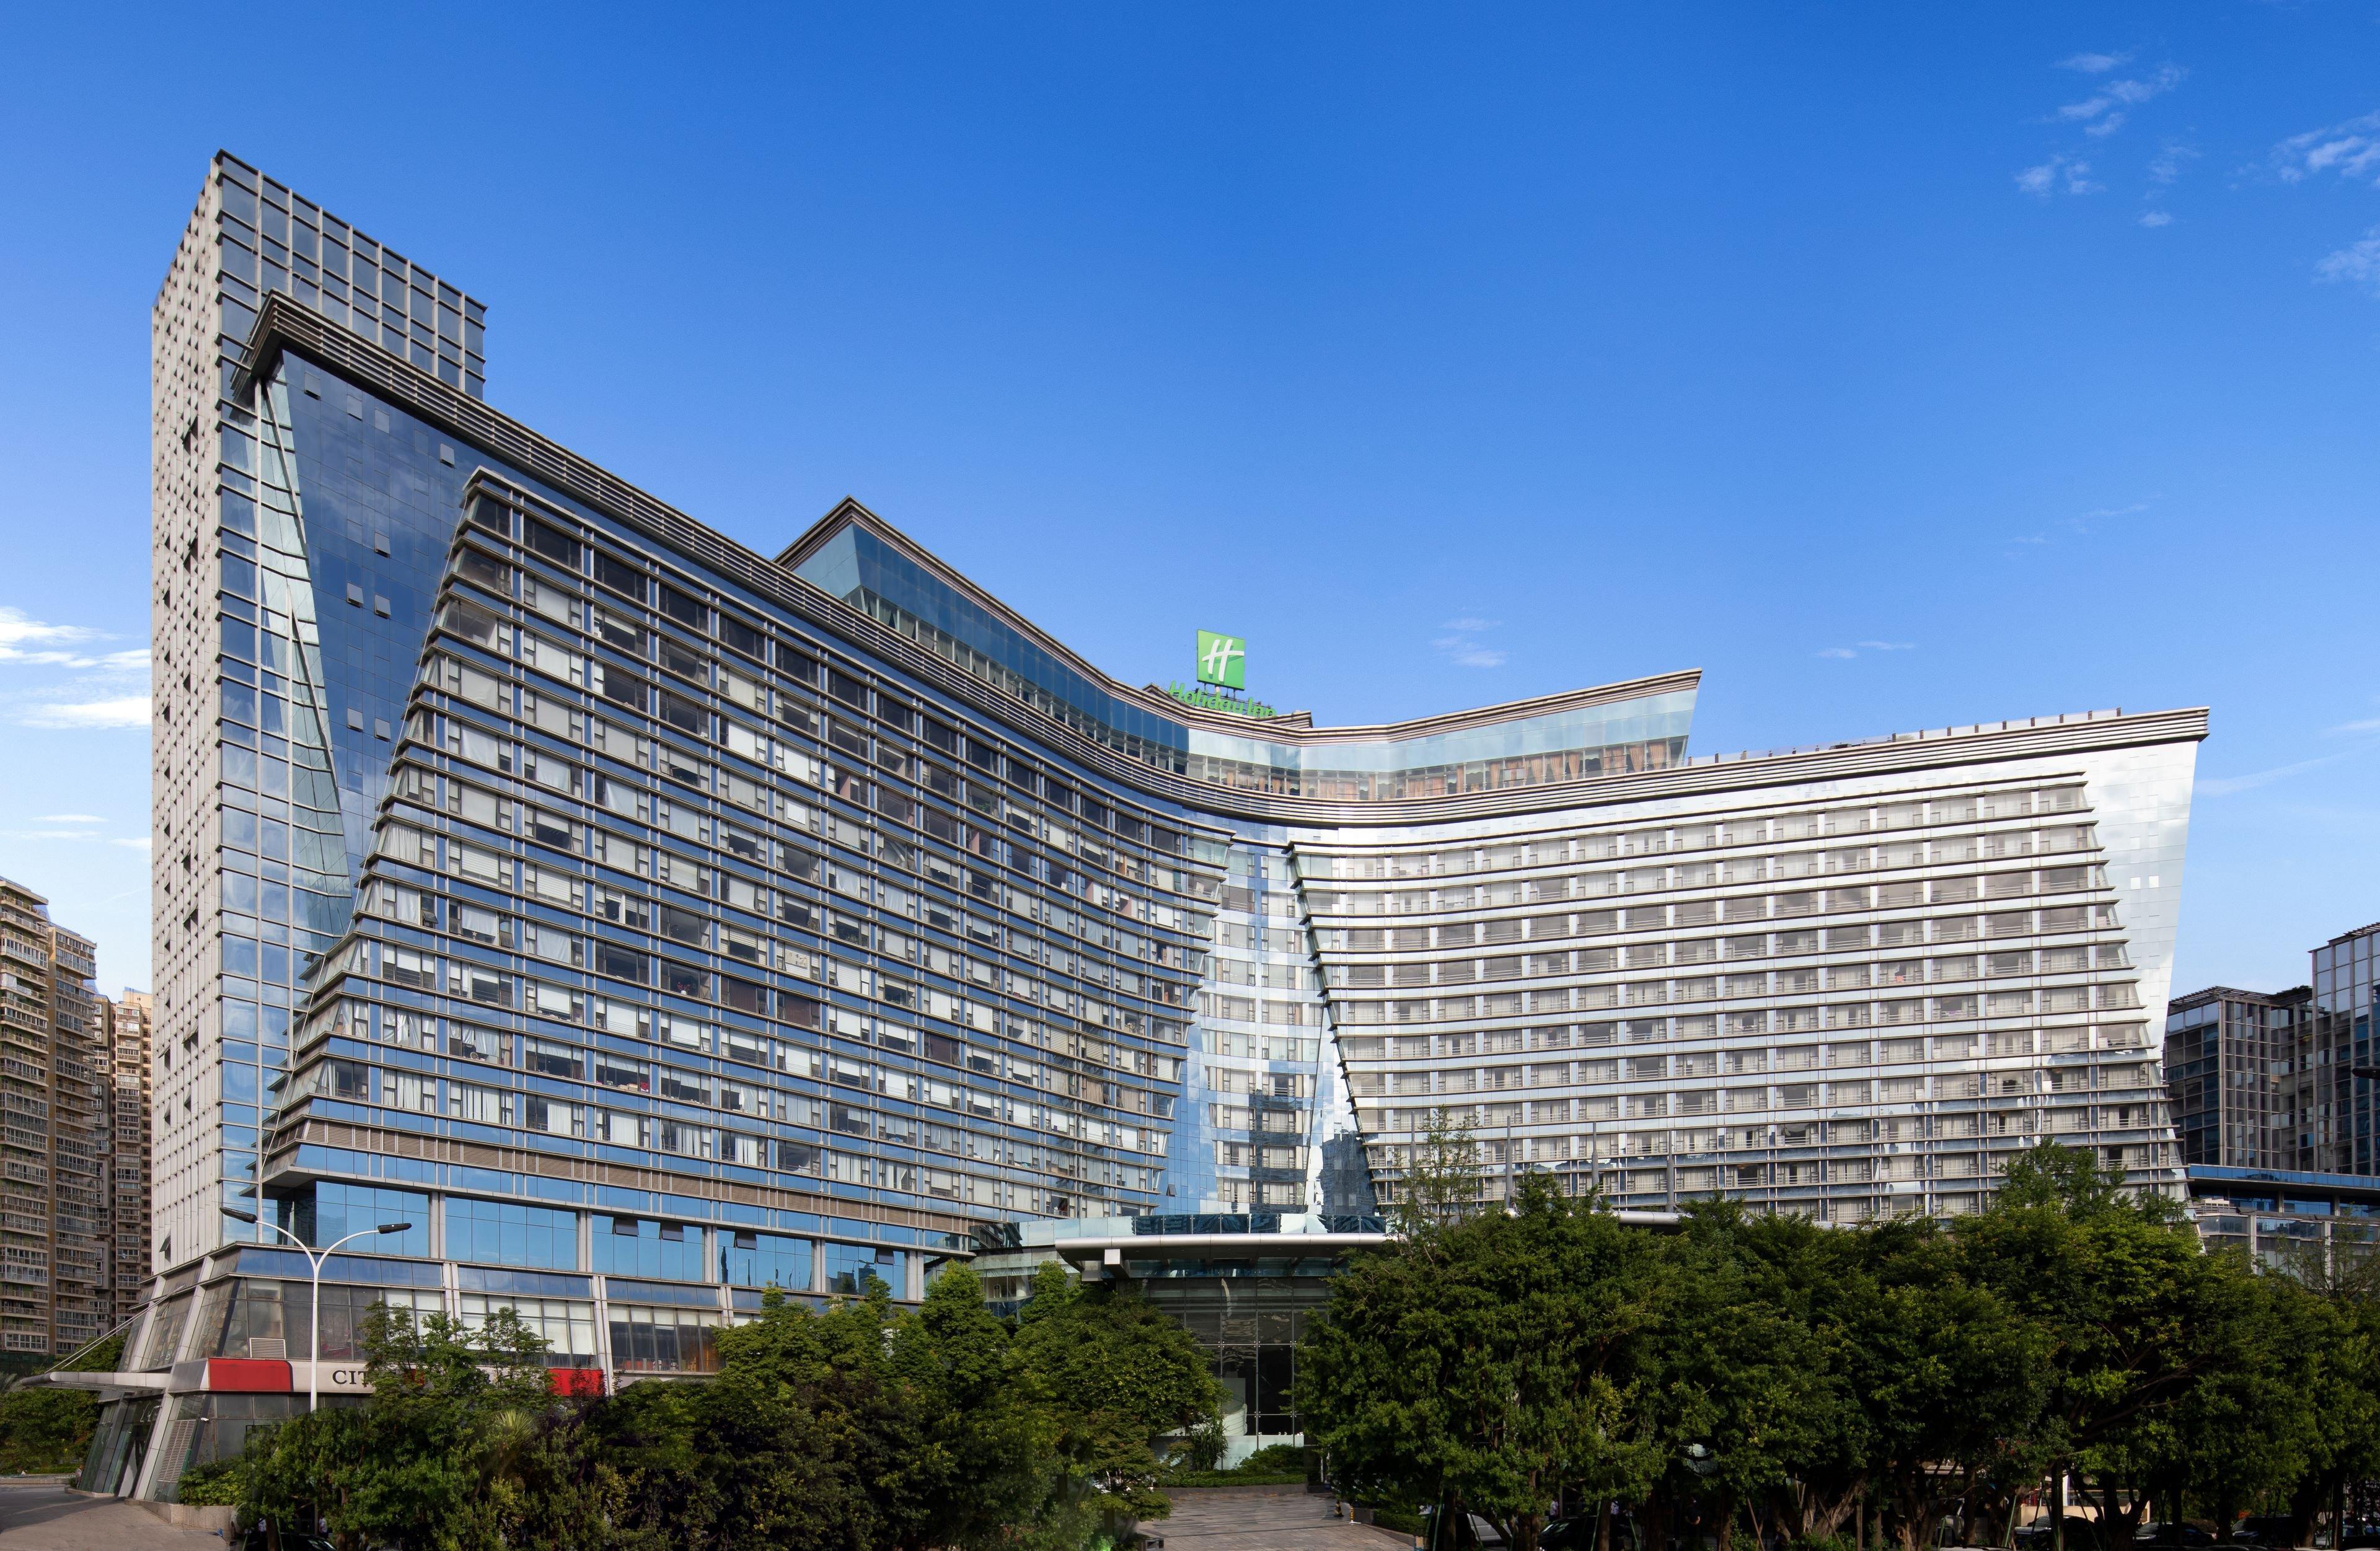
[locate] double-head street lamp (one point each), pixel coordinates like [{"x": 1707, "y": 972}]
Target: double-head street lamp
[{"x": 314, "y": 1358}]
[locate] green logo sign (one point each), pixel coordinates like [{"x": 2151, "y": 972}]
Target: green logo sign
[
  {"x": 1216, "y": 700},
  {"x": 1222, "y": 659}
]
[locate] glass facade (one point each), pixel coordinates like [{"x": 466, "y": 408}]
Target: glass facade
[
  {"x": 1628, "y": 733},
  {"x": 2234, "y": 1067},
  {"x": 2346, "y": 1005}
]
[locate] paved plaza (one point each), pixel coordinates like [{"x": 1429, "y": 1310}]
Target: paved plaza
[{"x": 1239, "y": 1518}]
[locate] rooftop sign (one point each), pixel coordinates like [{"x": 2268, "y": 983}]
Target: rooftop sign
[
  {"x": 1223, "y": 662},
  {"x": 1222, "y": 659}
]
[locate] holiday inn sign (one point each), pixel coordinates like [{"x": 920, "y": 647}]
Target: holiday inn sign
[{"x": 1222, "y": 661}]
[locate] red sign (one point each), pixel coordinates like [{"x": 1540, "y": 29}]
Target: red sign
[
  {"x": 247, "y": 1375},
  {"x": 577, "y": 1381}
]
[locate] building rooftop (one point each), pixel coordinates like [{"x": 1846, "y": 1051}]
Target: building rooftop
[{"x": 2233, "y": 993}]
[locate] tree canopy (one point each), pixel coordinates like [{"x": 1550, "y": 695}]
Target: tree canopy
[{"x": 1765, "y": 1374}]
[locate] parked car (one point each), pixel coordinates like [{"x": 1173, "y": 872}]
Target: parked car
[{"x": 2160, "y": 1533}]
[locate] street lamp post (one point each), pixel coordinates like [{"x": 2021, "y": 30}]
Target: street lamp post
[{"x": 314, "y": 1318}]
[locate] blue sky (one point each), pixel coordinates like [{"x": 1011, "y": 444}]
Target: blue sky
[{"x": 1896, "y": 366}]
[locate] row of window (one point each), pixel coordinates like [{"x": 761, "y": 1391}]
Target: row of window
[
  {"x": 424, "y": 1093},
  {"x": 1790, "y": 1095},
  {"x": 1066, "y": 1063},
  {"x": 2006, "y": 884},
  {"x": 1735, "y": 830},
  {"x": 1389, "y": 1155},
  {"x": 2022, "y": 962}
]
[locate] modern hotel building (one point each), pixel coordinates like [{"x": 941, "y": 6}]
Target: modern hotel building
[{"x": 646, "y": 921}]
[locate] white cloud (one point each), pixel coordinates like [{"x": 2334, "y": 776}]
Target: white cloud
[
  {"x": 2155, "y": 218},
  {"x": 142, "y": 844},
  {"x": 2358, "y": 263},
  {"x": 2093, "y": 64},
  {"x": 1469, "y": 654},
  {"x": 1836, "y": 652},
  {"x": 2369, "y": 725},
  {"x": 71, "y": 818},
  {"x": 2167, "y": 78},
  {"x": 2168, "y": 165},
  {"x": 1462, "y": 647},
  {"x": 2060, "y": 174},
  {"x": 2081, "y": 523},
  {"x": 1888, "y": 645},
  {"x": 16, "y": 628},
  {"x": 128, "y": 710},
  {"x": 37, "y": 644},
  {"x": 2103, "y": 113},
  {"x": 2350, "y": 149},
  {"x": 2226, "y": 786}
]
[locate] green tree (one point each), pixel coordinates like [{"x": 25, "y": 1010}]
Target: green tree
[
  {"x": 1492, "y": 1364},
  {"x": 1950, "y": 1379},
  {"x": 2341, "y": 1338},
  {"x": 2133, "y": 1315},
  {"x": 863, "y": 1427},
  {"x": 1118, "y": 1375},
  {"x": 426, "y": 1462},
  {"x": 801, "y": 1440},
  {"x": 1441, "y": 1182},
  {"x": 1747, "y": 1402},
  {"x": 50, "y": 1429}
]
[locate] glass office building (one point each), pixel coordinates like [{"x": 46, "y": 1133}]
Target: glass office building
[{"x": 647, "y": 922}]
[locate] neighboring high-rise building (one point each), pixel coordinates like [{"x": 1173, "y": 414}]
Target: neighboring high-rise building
[
  {"x": 126, "y": 1021},
  {"x": 2276, "y": 1081},
  {"x": 2346, "y": 1004},
  {"x": 2232, "y": 1062},
  {"x": 641, "y": 920},
  {"x": 54, "y": 1287}
]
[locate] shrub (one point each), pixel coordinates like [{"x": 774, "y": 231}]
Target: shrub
[
  {"x": 1279, "y": 1459},
  {"x": 214, "y": 1485}
]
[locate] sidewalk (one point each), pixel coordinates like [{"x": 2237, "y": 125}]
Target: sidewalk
[{"x": 45, "y": 1516}]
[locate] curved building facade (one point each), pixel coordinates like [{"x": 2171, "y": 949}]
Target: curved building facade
[{"x": 645, "y": 921}]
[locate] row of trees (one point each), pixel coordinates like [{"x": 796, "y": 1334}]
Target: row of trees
[
  {"x": 859, "y": 1427},
  {"x": 1763, "y": 1376}
]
